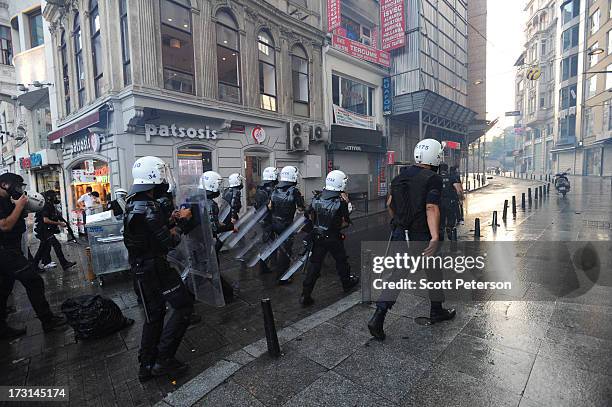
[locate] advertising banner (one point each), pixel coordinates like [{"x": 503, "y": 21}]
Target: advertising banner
[
  {"x": 387, "y": 96},
  {"x": 392, "y": 23},
  {"x": 334, "y": 14},
  {"x": 361, "y": 51},
  {"x": 347, "y": 118}
]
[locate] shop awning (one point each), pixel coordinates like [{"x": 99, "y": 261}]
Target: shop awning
[
  {"x": 73, "y": 127},
  {"x": 562, "y": 149},
  {"x": 34, "y": 99}
]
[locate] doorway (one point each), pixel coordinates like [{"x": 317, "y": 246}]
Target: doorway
[{"x": 254, "y": 164}]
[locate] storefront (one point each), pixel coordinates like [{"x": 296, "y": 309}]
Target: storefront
[{"x": 46, "y": 171}]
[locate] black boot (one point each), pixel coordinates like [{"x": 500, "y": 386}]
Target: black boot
[
  {"x": 375, "y": 325},
  {"x": 349, "y": 284},
  {"x": 439, "y": 314},
  {"x": 169, "y": 367},
  {"x": 8, "y": 332},
  {"x": 144, "y": 372},
  {"x": 52, "y": 322}
]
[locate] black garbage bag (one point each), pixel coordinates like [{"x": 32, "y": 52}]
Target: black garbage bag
[{"x": 93, "y": 316}]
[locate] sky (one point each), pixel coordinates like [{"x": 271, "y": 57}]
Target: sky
[{"x": 505, "y": 35}]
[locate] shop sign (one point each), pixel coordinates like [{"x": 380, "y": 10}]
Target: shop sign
[
  {"x": 87, "y": 143},
  {"x": 25, "y": 163},
  {"x": 259, "y": 134},
  {"x": 89, "y": 166},
  {"x": 387, "y": 96},
  {"x": 361, "y": 51},
  {"x": 163, "y": 130},
  {"x": 36, "y": 160},
  {"x": 390, "y": 157},
  {"x": 392, "y": 24},
  {"x": 347, "y": 118},
  {"x": 80, "y": 176},
  {"x": 352, "y": 148},
  {"x": 452, "y": 145},
  {"x": 334, "y": 14}
]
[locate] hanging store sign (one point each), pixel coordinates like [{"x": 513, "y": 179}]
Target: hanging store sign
[
  {"x": 86, "y": 143},
  {"x": 334, "y": 14},
  {"x": 36, "y": 160},
  {"x": 80, "y": 177},
  {"x": 387, "y": 96},
  {"x": 347, "y": 118},
  {"x": 361, "y": 51},
  {"x": 392, "y": 23},
  {"x": 390, "y": 157},
  {"x": 163, "y": 130},
  {"x": 259, "y": 134},
  {"x": 25, "y": 163}
]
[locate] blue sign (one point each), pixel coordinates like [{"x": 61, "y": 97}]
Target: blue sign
[
  {"x": 387, "y": 96},
  {"x": 35, "y": 160}
]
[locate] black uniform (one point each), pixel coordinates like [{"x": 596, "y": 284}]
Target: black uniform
[
  {"x": 15, "y": 266},
  {"x": 285, "y": 200},
  {"x": 46, "y": 234},
  {"x": 262, "y": 198},
  {"x": 232, "y": 196},
  {"x": 328, "y": 212},
  {"x": 148, "y": 240},
  {"x": 449, "y": 206}
]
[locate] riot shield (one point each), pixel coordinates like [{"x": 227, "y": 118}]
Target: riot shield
[
  {"x": 297, "y": 224},
  {"x": 196, "y": 253},
  {"x": 299, "y": 264},
  {"x": 238, "y": 225},
  {"x": 246, "y": 225},
  {"x": 224, "y": 211}
]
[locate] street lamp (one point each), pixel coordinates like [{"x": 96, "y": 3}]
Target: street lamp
[{"x": 596, "y": 51}]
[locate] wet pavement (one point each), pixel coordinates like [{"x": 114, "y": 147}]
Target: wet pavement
[{"x": 536, "y": 351}]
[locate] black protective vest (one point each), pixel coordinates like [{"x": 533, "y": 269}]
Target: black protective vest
[
  {"x": 326, "y": 207},
  {"x": 139, "y": 239},
  {"x": 284, "y": 204},
  {"x": 409, "y": 195},
  {"x": 263, "y": 194},
  {"x": 449, "y": 193},
  {"x": 11, "y": 238},
  {"x": 43, "y": 229},
  {"x": 232, "y": 196}
]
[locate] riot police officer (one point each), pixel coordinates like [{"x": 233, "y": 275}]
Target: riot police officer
[
  {"x": 284, "y": 201},
  {"x": 414, "y": 204},
  {"x": 329, "y": 212},
  {"x": 148, "y": 238},
  {"x": 262, "y": 198},
  {"x": 449, "y": 204},
  {"x": 211, "y": 183},
  {"x": 233, "y": 196},
  {"x": 15, "y": 266}
]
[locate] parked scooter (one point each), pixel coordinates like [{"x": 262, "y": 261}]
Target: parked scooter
[{"x": 562, "y": 184}]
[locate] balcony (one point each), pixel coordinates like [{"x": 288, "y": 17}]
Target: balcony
[{"x": 566, "y": 141}]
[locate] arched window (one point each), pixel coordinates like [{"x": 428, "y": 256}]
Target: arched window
[
  {"x": 96, "y": 46},
  {"x": 125, "y": 43},
  {"x": 300, "y": 77},
  {"x": 228, "y": 58},
  {"x": 267, "y": 71},
  {"x": 65, "y": 71},
  {"x": 78, "y": 57},
  {"x": 177, "y": 45}
]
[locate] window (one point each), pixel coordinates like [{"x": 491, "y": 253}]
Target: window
[
  {"x": 543, "y": 48},
  {"x": 588, "y": 121},
  {"x": 299, "y": 70},
  {"x": 6, "y": 47},
  {"x": 542, "y": 101},
  {"x": 591, "y": 87},
  {"x": 521, "y": 86},
  {"x": 569, "y": 38},
  {"x": 65, "y": 71},
  {"x": 594, "y": 21},
  {"x": 607, "y": 125},
  {"x": 593, "y": 59},
  {"x": 569, "y": 10},
  {"x": 36, "y": 29},
  {"x": 355, "y": 31},
  {"x": 569, "y": 67},
  {"x": 351, "y": 95},
  {"x": 96, "y": 46},
  {"x": 531, "y": 103},
  {"x": 177, "y": 45},
  {"x": 78, "y": 57},
  {"x": 609, "y": 77},
  {"x": 125, "y": 43},
  {"x": 228, "y": 58},
  {"x": 267, "y": 71},
  {"x": 567, "y": 97},
  {"x": 567, "y": 127}
]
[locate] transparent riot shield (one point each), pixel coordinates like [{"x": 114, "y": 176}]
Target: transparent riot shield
[
  {"x": 196, "y": 253},
  {"x": 245, "y": 227},
  {"x": 238, "y": 225},
  {"x": 224, "y": 210},
  {"x": 270, "y": 248}
]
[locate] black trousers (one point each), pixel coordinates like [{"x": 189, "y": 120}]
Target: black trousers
[
  {"x": 159, "y": 285},
  {"x": 44, "y": 251},
  {"x": 321, "y": 246},
  {"x": 15, "y": 267}
]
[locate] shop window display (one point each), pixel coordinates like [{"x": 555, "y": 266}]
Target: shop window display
[
  {"x": 192, "y": 164},
  {"x": 89, "y": 174}
]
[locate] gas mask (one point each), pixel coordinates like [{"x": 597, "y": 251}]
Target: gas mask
[
  {"x": 15, "y": 191},
  {"x": 161, "y": 190}
]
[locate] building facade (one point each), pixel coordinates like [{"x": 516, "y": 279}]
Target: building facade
[{"x": 230, "y": 86}]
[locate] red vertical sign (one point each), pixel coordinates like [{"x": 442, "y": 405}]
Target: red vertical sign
[
  {"x": 392, "y": 24},
  {"x": 334, "y": 14}
]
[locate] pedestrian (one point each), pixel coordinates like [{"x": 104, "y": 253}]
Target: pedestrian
[
  {"x": 148, "y": 239},
  {"x": 15, "y": 266},
  {"x": 233, "y": 197},
  {"x": 284, "y": 201},
  {"x": 262, "y": 199},
  {"x": 414, "y": 204},
  {"x": 329, "y": 212},
  {"x": 456, "y": 180},
  {"x": 85, "y": 202},
  {"x": 449, "y": 204},
  {"x": 96, "y": 206},
  {"x": 48, "y": 224}
]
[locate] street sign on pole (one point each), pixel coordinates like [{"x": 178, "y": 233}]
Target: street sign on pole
[{"x": 513, "y": 113}]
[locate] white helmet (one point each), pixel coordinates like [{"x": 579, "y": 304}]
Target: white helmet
[
  {"x": 289, "y": 174},
  {"x": 235, "y": 180},
  {"x": 429, "y": 152},
  {"x": 150, "y": 171},
  {"x": 35, "y": 201},
  {"x": 120, "y": 193},
  {"x": 336, "y": 181},
  {"x": 210, "y": 181},
  {"x": 270, "y": 174}
]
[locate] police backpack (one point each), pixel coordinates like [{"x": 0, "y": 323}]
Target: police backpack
[{"x": 94, "y": 316}]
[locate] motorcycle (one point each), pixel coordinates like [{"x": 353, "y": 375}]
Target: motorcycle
[{"x": 562, "y": 184}]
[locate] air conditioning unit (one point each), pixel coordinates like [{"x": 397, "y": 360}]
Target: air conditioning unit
[
  {"x": 297, "y": 136},
  {"x": 318, "y": 134}
]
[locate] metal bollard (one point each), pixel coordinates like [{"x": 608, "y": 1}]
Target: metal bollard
[
  {"x": 541, "y": 192},
  {"x": 548, "y": 189},
  {"x": 494, "y": 223},
  {"x": 523, "y": 200},
  {"x": 513, "y": 206},
  {"x": 477, "y": 228},
  {"x": 536, "y": 193},
  {"x": 529, "y": 196},
  {"x": 270, "y": 328},
  {"x": 505, "y": 213}
]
